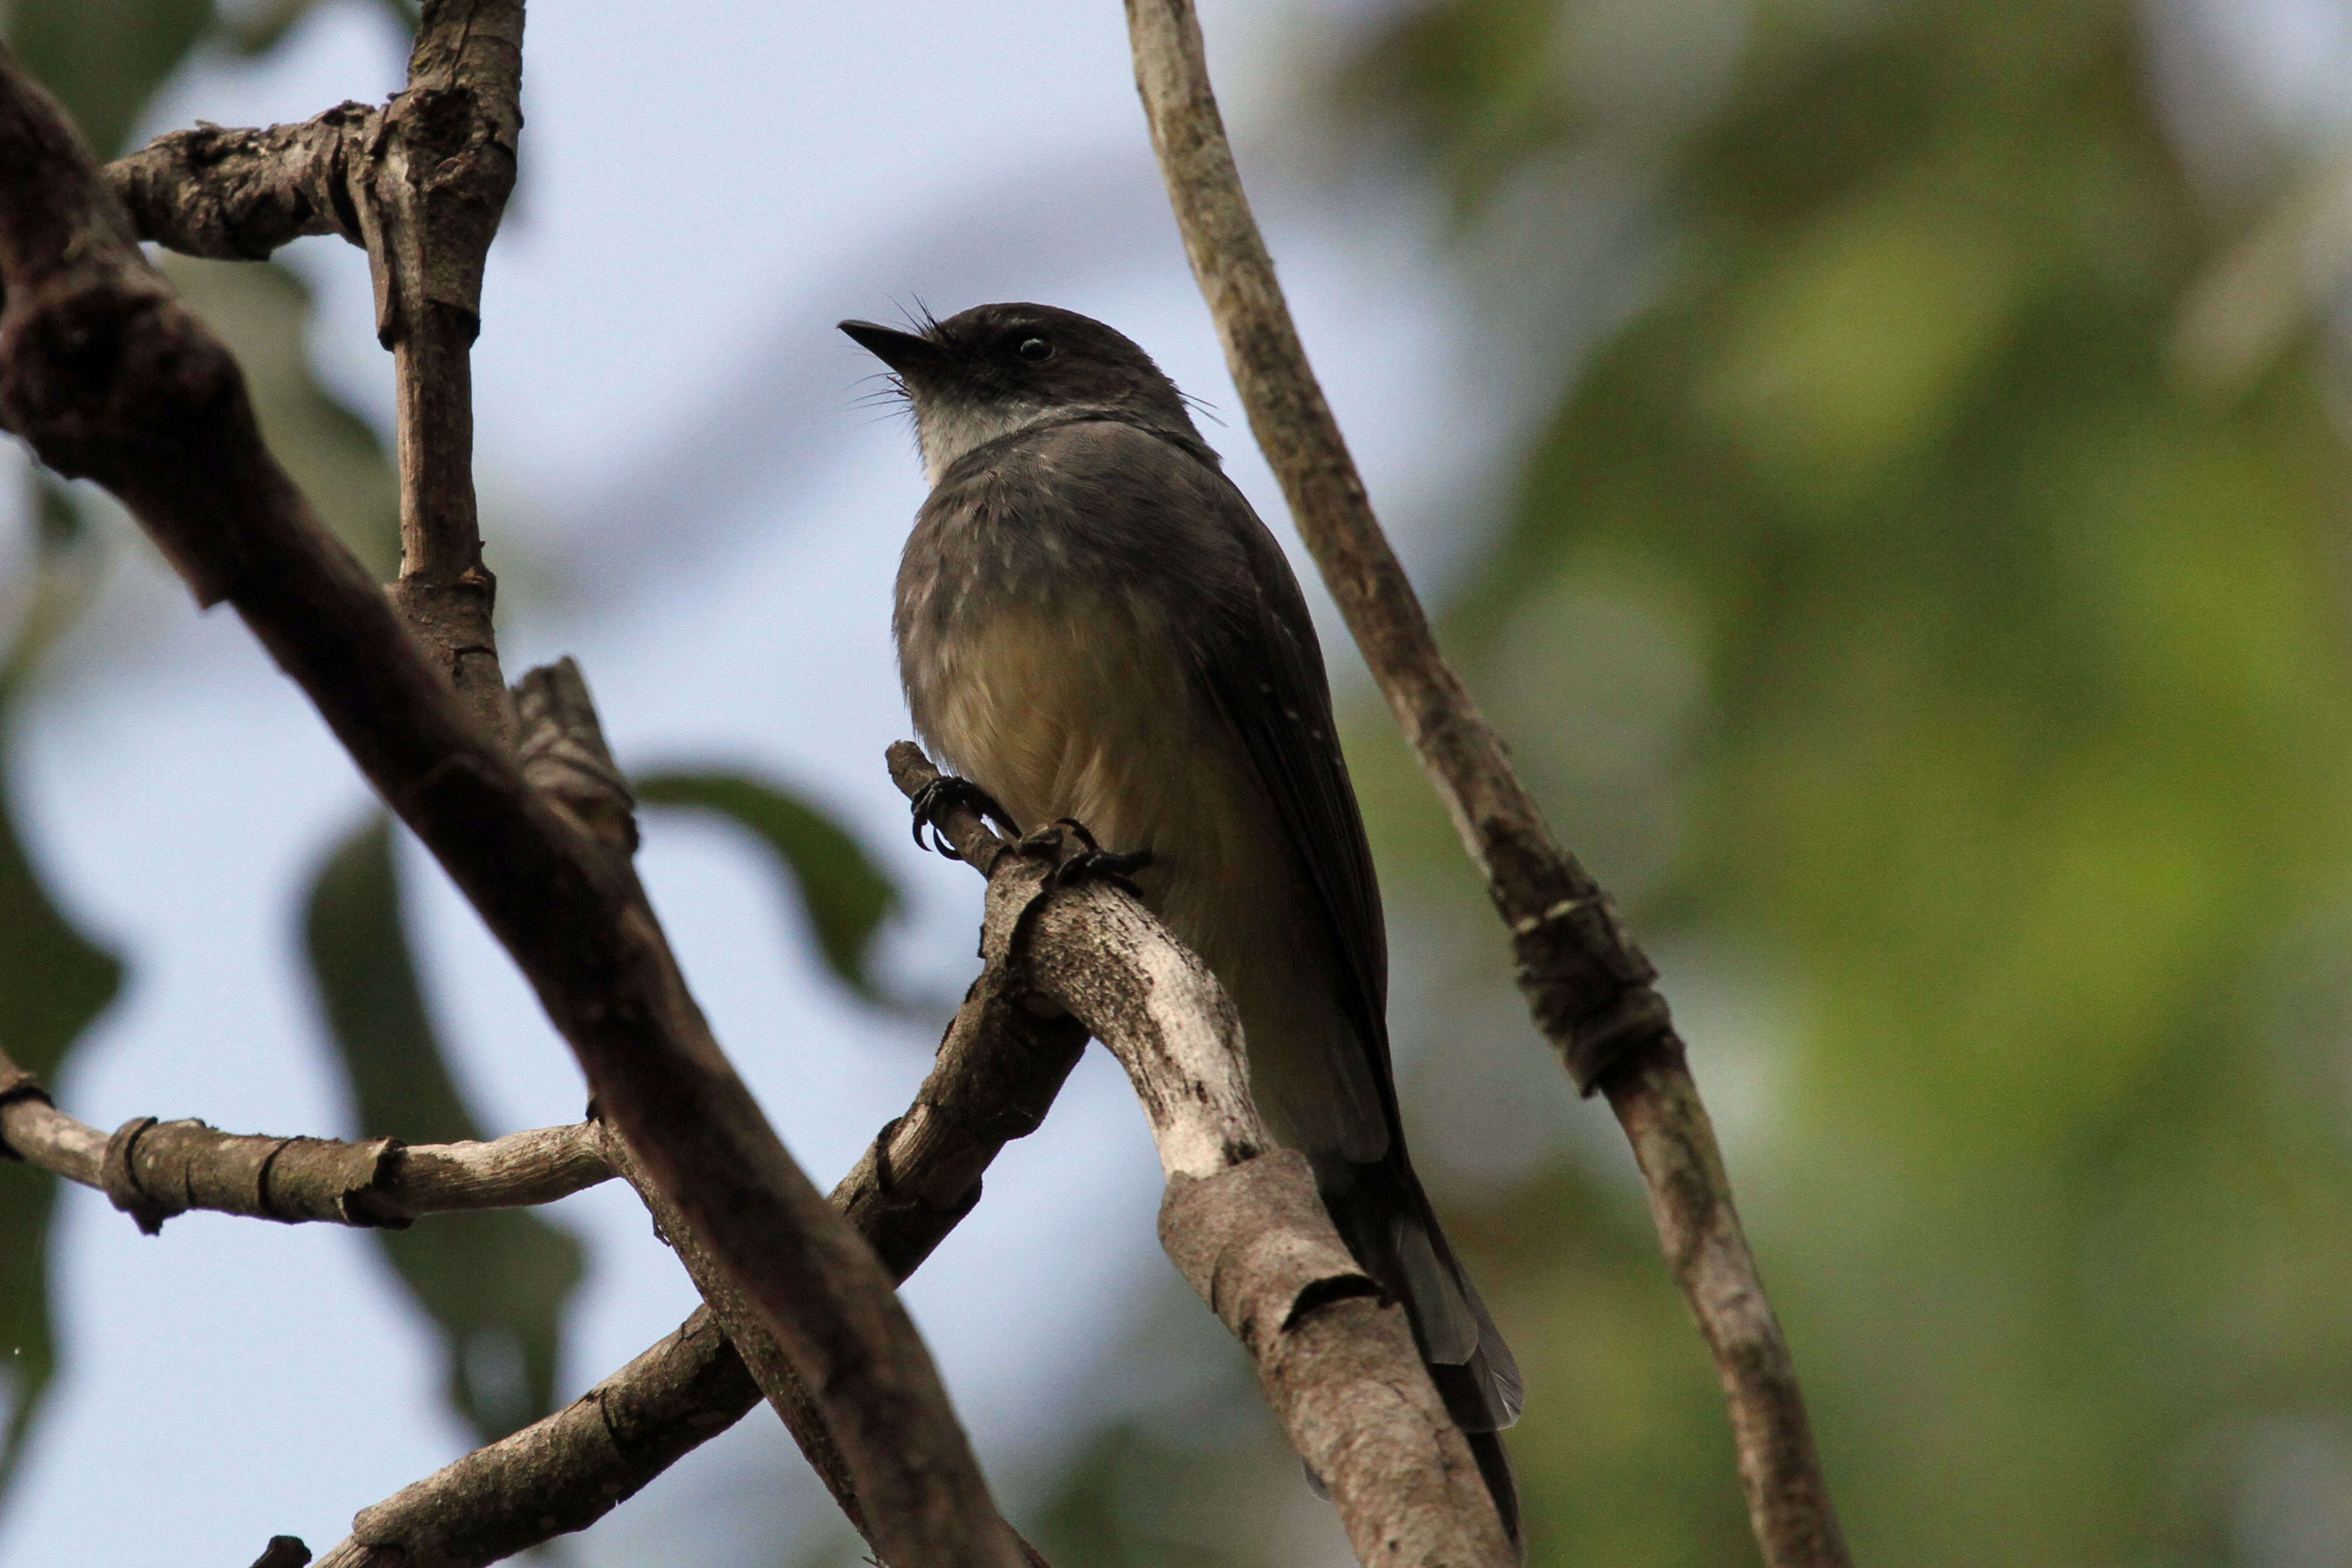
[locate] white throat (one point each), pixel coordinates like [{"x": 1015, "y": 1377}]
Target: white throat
[{"x": 947, "y": 430}]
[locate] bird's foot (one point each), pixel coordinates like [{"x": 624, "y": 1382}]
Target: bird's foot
[
  {"x": 944, "y": 794},
  {"x": 1071, "y": 850}
]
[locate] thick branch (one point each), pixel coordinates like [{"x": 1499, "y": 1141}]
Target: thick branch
[
  {"x": 1241, "y": 1218},
  {"x": 998, "y": 1071},
  {"x": 1588, "y": 985},
  {"x": 153, "y": 1170},
  {"x": 239, "y": 195},
  {"x": 107, "y": 376}
]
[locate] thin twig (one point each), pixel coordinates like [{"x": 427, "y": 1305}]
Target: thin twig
[
  {"x": 1241, "y": 1218},
  {"x": 1588, "y": 985},
  {"x": 108, "y": 376},
  {"x": 153, "y": 1170}
]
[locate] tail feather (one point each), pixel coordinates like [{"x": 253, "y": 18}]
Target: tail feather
[{"x": 1384, "y": 1217}]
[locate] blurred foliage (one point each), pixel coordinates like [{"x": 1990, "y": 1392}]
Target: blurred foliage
[
  {"x": 1199, "y": 1476},
  {"x": 262, "y": 312},
  {"x": 54, "y": 981},
  {"x": 1879, "y": 607},
  {"x": 495, "y": 1282},
  {"x": 1962, "y": 709},
  {"x": 104, "y": 59},
  {"x": 844, "y": 891}
]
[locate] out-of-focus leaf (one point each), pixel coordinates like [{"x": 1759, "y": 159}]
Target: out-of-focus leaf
[
  {"x": 1479, "y": 83},
  {"x": 105, "y": 57},
  {"x": 1193, "y": 1472},
  {"x": 53, "y": 981},
  {"x": 845, "y": 892},
  {"x": 495, "y": 1282},
  {"x": 257, "y": 29},
  {"x": 262, "y": 312}
]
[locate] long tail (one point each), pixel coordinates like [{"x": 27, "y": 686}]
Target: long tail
[{"x": 1384, "y": 1217}]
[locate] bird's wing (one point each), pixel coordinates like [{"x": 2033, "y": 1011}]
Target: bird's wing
[{"x": 1262, "y": 665}]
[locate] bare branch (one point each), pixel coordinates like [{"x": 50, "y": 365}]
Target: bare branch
[
  {"x": 33, "y": 1130},
  {"x": 106, "y": 376},
  {"x": 1588, "y": 985},
  {"x": 999, "y": 1069},
  {"x": 1241, "y": 1218},
  {"x": 428, "y": 200},
  {"x": 239, "y": 195},
  {"x": 517, "y": 1170},
  {"x": 566, "y": 1472},
  {"x": 153, "y": 1170},
  {"x": 421, "y": 184}
]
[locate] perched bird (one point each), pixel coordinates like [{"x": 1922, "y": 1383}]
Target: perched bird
[{"x": 1092, "y": 624}]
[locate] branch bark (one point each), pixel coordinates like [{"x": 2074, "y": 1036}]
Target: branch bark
[
  {"x": 440, "y": 166},
  {"x": 239, "y": 195},
  {"x": 1239, "y": 1217},
  {"x": 565, "y": 1472},
  {"x": 1589, "y": 986},
  {"x": 153, "y": 1170},
  {"x": 107, "y": 376}
]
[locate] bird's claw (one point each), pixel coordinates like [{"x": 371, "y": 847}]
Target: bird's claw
[
  {"x": 943, "y": 794},
  {"x": 1075, "y": 856}
]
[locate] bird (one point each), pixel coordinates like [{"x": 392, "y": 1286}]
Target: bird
[{"x": 1093, "y": 625}]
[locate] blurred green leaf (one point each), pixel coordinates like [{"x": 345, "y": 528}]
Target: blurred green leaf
[
  {"x": 845, "y": 893},
  {"x": 54, "y": 981},
  {"x": 105, "y": 57},
  {"x": 262, "y": 312},
  {"x": 258, "y": 27},
  {"x": 495, "y": 1282}
]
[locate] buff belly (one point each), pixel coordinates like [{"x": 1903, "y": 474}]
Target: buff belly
[{"x": 1081, "y": 709}]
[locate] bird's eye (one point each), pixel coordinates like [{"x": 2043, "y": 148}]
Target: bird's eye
[{"x": 1034, "y": 349}]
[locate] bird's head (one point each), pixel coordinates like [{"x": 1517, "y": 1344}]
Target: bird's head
[{"x": 994, "y": 369}]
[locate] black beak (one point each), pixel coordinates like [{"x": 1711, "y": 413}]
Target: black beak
[{"x": 905, "y": 352}]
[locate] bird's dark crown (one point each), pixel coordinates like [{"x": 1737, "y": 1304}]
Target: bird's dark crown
[{"x": 1034, "y": 355}]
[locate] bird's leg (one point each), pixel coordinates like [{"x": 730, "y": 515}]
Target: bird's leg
[
  {"x": 944, "y": 794},
  {"x": 1076, "y": 858}
]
